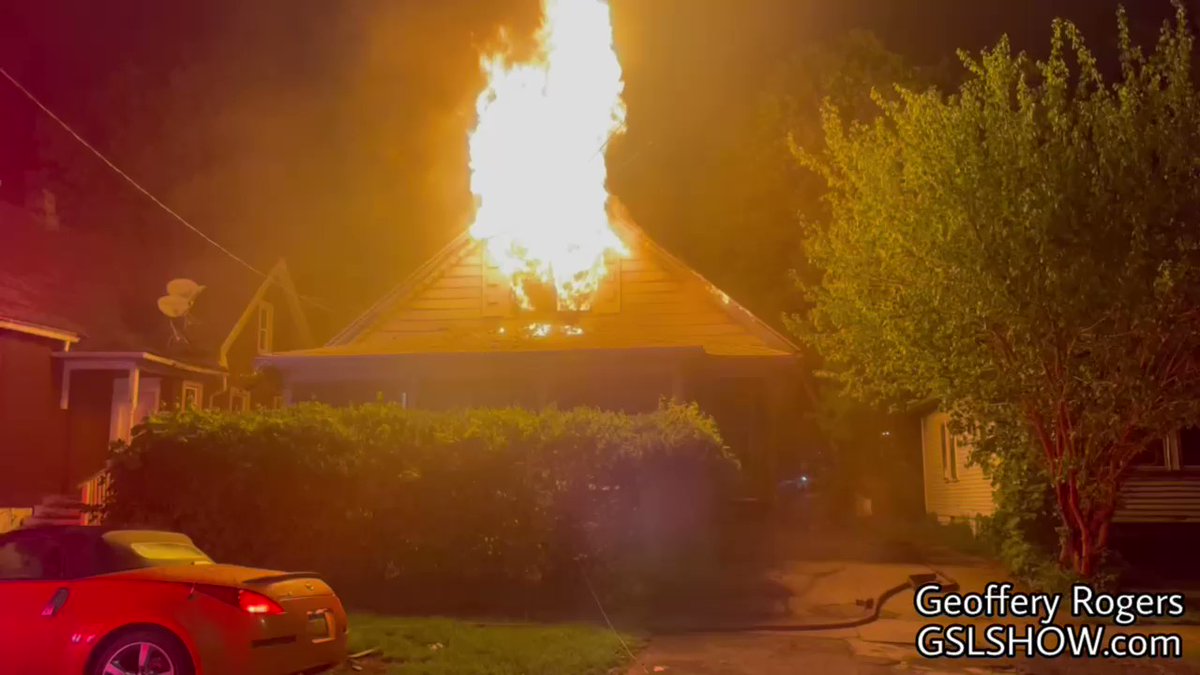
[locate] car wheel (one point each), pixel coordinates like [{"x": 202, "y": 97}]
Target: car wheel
[{"x": 143, "y": 651}]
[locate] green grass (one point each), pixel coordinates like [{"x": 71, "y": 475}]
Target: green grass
[{"x": 423, "y": 646}]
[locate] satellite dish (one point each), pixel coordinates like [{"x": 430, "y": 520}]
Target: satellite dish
[
  {"x": 174, "y": 306},
  {"x": 184, "y": 288},
  {"x": 181, "y": 294}
]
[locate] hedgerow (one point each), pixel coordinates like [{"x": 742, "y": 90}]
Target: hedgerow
[{"x": 415, "y": 507}]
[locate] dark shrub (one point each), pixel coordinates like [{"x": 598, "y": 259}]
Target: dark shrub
[{"x": 413, "y": 508}]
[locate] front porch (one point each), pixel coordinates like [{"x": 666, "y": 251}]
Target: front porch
[{"x": 104, "y": 396}]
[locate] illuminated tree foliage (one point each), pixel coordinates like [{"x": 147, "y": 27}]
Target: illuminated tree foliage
[{"x": 1027, "y": 252}]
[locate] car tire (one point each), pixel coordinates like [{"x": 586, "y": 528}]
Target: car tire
[{"x": 160, "y": 645}]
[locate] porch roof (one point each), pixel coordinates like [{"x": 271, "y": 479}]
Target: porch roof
[
  {"x": 77, "y": 360},
  {"x": 346, "y": 365}
]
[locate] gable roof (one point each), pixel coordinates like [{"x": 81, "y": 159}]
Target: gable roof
[
  {"x": 682, "y": 309},
  {"x": 104, "y": 288},
  {"x": 278, "y": 276}
]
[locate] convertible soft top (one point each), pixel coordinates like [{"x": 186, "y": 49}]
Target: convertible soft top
[{"x": 77, "y": 551}]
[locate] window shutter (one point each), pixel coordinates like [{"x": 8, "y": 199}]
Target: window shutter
[
  {"x": 945, "y": 450},
  {"x": 608, "y": 295},
  {"x": 497, "y": 293},
  {"x": 953, "y": 459}
]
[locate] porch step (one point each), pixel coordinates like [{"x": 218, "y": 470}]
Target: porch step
[
  {"x": 34, "y": 521},
  {"x": 62, "y": 500},
  {"x": 56, "y": 510}
]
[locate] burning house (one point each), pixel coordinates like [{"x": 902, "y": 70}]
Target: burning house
[{"x": 554, "y": 296}]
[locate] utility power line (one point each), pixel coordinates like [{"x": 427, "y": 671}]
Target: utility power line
[{"x": 66, "y": 127}]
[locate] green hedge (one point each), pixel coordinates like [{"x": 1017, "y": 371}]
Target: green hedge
[{"x": 416, "y": 508}]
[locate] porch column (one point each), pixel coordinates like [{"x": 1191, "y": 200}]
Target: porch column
[
  {"x": 410, "y": 392},
  {"x": 135, "y": 385},
  {"x": 64, "y": 392},
  {"x": 679, "y": 383}
]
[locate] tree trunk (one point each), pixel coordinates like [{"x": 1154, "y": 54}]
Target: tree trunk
[
  {"x": 1085, "y": 536},
  {"x": 1084, "y": 539}
]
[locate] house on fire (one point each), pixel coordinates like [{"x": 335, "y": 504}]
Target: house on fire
[
  {"x": 85, "y": 353},
  {"x": 455, "y": 335}
]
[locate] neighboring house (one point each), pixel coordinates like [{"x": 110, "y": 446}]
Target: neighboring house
[
  {"x": 452, "y": 336},
  {"x": 1163, "y": 488},
  {"x": 955, "y": 488},
  {"x": 86, "y": 353}
]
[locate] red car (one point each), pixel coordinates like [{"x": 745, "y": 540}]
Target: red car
[{"x": 78, "y": 600}]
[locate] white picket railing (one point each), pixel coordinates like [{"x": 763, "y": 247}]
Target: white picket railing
[{"x": 94, "y": 492}]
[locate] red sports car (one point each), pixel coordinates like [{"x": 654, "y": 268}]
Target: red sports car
[{"x": 80, "y": 600}]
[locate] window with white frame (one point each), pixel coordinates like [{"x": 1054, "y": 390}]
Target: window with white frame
[
  {"x": 949, "y": 453},
  {"x": 192, "y": 396},
  {"x": 239, "y": 400},
  {"x": 266, "y": 327},
  {"x": 1187, "y": 448}
]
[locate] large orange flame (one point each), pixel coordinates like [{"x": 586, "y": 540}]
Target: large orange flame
[{"x": 538, "y": 155}]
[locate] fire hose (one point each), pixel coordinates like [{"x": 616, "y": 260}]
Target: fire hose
[{"x": 874, "y": 604}]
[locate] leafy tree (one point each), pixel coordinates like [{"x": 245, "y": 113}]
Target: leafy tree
[{"x": 1026, "y": 251}]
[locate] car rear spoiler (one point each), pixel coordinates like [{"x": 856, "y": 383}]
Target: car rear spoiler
[{"x": 288, "y": 576}]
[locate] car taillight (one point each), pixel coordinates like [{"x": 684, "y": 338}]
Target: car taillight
[
  {"x": 256, "y": 603},
  {"x": 247, "y": 601}
]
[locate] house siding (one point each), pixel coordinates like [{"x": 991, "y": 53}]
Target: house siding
[
  {"x": 642, "y": 302},
  {"x": 1149, "y": 495},
  {"x": 965, "y": 497},
  {"x": 1160, "y": 496}
]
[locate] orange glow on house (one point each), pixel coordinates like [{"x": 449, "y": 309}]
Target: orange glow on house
[{"x": 537, "y": 157}]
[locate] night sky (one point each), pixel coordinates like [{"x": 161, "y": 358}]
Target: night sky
[{"x": 334, "y": 133}]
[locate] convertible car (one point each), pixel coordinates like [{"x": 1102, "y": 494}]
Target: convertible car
[{"x": 77, "y": 600}]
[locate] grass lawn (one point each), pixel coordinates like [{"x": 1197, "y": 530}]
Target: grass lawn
[{"x": 422, "y": 646}]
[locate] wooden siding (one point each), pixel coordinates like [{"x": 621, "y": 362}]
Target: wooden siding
[
  {"x": 1160, "y": 496},
  {"x": 1148, "y": 496},
  {"x": 967, "y": 496},
  {"x": 644, "y": 302}
]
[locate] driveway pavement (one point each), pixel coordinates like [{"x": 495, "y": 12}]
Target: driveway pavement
[{"x": 824, "y": 586}]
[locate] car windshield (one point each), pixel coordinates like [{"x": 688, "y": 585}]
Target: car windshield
[{"x": 158, "y": 553}]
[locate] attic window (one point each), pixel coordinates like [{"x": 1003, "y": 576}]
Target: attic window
[
  {"x": 266, "y": 327},
  {"x": 542, "y": 296},
  {"x": 527, "y": 295}
]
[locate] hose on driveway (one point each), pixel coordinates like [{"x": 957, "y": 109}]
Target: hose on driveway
[{"x": 912, "y": 582}]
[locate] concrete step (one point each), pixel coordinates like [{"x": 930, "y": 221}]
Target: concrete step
[
  {"x": 35, "y": 521},
  {"x": 56, "y": 512},
  {"x": 70, "y": 501}
]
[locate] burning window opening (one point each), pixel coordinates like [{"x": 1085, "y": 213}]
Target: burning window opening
[{"x": 540, "y": 330}]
